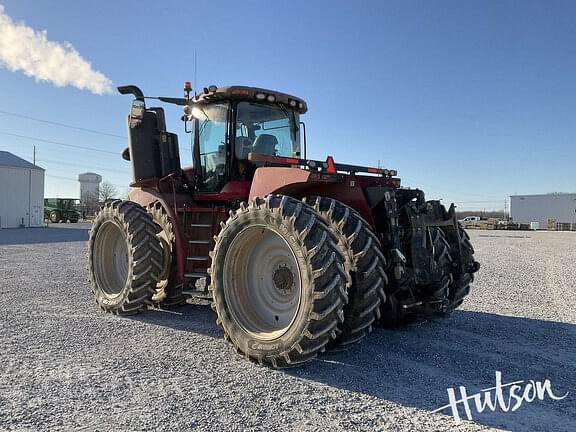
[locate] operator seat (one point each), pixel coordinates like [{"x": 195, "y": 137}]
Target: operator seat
[
  {"x": 265, "y": 144},
  {"x": 243, "y": 147}
]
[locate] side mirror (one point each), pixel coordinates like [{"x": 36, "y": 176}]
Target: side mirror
[
  {"x": 137, "y": 112},
  {"x": 137, "y": 109}
]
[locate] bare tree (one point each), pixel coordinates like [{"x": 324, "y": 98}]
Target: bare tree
[
  {"x": 107, "y": 191},
  {"x": 89, "y": 204}
]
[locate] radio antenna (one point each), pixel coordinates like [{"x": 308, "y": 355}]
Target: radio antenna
[{"x": 195, "y": 74}]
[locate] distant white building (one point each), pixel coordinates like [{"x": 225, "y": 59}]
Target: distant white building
[
  {"x": 21, "y": 192},
  {"x": 540, "y": 208},
  {"x": 89, "y": 186}
]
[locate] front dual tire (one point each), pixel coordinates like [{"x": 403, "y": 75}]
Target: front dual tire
[
  {"x": 124, "y": 258},
  {"x": 363, "y": 261},
  {"x": 278, "y": 281}
]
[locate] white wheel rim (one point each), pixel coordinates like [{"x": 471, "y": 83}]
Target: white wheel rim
[
  {"x": 262, "y": 284},
  {"x": 111, "y": 258}
]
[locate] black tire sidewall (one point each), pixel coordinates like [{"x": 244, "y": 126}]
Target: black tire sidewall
[{"x": 157, "y": 214}]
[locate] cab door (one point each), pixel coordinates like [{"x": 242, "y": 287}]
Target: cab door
[{"x": 212, "y": 137}]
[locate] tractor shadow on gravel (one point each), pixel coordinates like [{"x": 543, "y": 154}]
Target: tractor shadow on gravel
[
  {"x": 415, "y": 365},
  {"x": 59, "y": 234},
  {"x": 194, "y": 318}
]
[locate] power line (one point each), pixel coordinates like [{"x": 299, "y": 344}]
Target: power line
[
  {"x": 71, "y": 145},
  {"x": 61, "y": 124},
  {"x": 58, "y": 143},
  {"x": 67, "y": 126},
  {"x": 60, "y": 177},
  {"x": 76, "y": 180},
  {"x": 82, "y": 165}
]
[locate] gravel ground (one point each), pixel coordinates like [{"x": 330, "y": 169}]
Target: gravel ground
[{"x": 64, "y": 365}]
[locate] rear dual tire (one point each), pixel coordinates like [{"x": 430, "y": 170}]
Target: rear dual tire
[
  {"x": 405, "y": 299},
  {"x": 462, "y": 280}
]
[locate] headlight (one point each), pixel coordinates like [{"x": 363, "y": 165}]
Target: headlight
[
  {"x": 271, "y": 98},
  {"x": 260, "y": 96}
]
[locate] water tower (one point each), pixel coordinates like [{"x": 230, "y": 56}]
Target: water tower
[{"x": 89, "y": 186}]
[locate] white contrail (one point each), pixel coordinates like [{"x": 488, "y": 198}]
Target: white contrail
[{"x": 24, "y": 49}]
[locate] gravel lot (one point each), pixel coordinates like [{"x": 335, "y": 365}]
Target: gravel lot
[{"x": 65, "y": 365}]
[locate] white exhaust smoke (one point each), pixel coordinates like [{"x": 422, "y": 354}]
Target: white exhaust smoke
[{"x": 24, "y": 49}]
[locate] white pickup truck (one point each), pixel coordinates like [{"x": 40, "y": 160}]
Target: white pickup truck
[{"x": 469, "y": 219}]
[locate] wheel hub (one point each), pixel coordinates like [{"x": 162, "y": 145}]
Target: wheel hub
[{"x": 283, "y": 279}]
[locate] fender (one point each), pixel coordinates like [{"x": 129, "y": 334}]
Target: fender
[
  {"x": 268, "y": 180},
  {"x": 299, "y": 183}
]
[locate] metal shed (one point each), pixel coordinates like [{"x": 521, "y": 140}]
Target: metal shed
[
  {"x": 21, "y": 192},
  {"x": 539, "y": 208}
]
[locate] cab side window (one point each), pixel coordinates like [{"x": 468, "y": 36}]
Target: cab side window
[{"x": 212, "y": 132}]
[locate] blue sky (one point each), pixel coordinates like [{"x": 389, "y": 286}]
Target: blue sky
[{"x": 471, "y": 101}]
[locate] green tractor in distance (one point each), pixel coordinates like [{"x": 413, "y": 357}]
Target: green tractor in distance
[{"x": 61, "y": 209}]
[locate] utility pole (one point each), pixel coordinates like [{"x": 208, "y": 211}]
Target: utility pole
[
  {"x": 34, "y": 155},
  {"x": 505, "y": 208}
]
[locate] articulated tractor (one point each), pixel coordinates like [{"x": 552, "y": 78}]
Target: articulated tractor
[{"x": 296, "y": 256}]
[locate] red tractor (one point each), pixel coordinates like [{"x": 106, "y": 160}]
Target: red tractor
[{"x": 297, "y": 256}]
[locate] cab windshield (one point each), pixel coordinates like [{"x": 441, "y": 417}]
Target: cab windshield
[
  {"x": 67, "y": 204},
  {"x": 260, "y": 128},
  {"x": 266, "y": 129}
]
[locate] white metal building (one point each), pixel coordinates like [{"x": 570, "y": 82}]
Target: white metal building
[
  {"x": 21, "y": 192},
  {"x": 540, "y": 208}
]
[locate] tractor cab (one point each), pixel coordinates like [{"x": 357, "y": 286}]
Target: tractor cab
[
  {"x": 231, "y": 123},
  {"x": 227, "y": 125}
]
